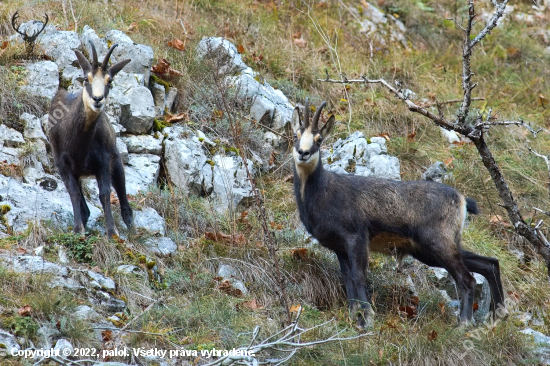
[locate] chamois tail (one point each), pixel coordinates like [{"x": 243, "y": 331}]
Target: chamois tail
[{"x": 471, "y": 206}]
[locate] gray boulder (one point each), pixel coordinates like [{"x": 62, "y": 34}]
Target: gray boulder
[
  {"x": 34, "y": 264},
  {"x": 44, "y": 200},
  {"x": 141, "y": 172},
  {"x": 42, "y": 79},
  {"x": 363, "y": 157},
  {"x": 9, "y": 342},
  {"x": 159, "y": 97},
  {"x": 10, "y": 137},
  {"x": 232, "y": 190},
  {"x": 89, "y": 35},
  {"x": 224, "y": 53},
  {"x": 139, "y": 117},
  {"x": 161, "y": 246},
  {"x": 268, "y": 105},
  {"x": 437, "y": 172},
  {"x": 141, "y": 55},
  {"x": 186, "y": 162},
  {"x": 171, "y": 96},
  {"x": 123, "y": 150},
  {"x": 64, "y": 347},
  {"x": 33, "y": 127},
  {"x": 143, "y": 144},
  {"x": 149, "y": 221},
  {"x": 101, "y": 282},
  {"x": 60, "y": 46}
]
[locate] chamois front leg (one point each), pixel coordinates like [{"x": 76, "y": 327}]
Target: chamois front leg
[
  {"x": 104, "y": 185},
  {"x": 72, "y": 184},
  {"x": 351, "y": 292},
  {"x": 356, "y": 248}
]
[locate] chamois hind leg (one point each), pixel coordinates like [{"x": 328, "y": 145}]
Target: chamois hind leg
[
  {"x": 84, "y": 210},
  {"x": 104, "y": 183},
  {"x": 119, "y": 183},
  {"x": 489, "y": 268},
  {"x": 444, "y": 253},
  {"x": 356, "y": 248}
]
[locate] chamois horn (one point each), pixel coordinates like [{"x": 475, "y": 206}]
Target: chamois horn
[
  {"x": 94, "y": 56},
  {"x": 317, "y": 115},
  {"x": 107, "y": 56},
  {"x": 306, "y": 113}
]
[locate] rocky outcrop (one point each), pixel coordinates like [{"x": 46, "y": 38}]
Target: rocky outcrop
[{"x": 361, "y": 156}]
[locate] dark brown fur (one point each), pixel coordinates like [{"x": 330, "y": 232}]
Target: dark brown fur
[
  {"x": 350, "y": 214},
  {"x": 84, "y": 144}
]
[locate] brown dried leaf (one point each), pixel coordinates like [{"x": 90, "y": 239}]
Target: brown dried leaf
[
  {"x": 514, "y": 295},
  {"x": 162, "y": 68},
  {"x": 252, "y": 304},
  {"x": 542, "y": 100},
  {"x": 441, "y": 308},
  {"x": 177, "y": 44},
  {"x": 106, "y": 335},
  {"x": 411, "y": 136},
  {"x": 385, "y": 135},
  {"x": 476, "y": 307},
  {"x": 132, "y": 27},
  {"x": 300, "y": 253},
  {"x": 20, "y": 250},
  {"x": 297, "y": 34},
  {"x": 449, "y": 161},
  {"x": 432, "y": 336},
  {"x": 409, "y": 310},
  {"x": 415, "y": 300},
  {"x": 25, "y": 310},
  {"x": 174, "y": 118},
  {"x": 114, "y": 199},
  {"x": 300, "y": 42},
  {"x": 295, "y": 308}
]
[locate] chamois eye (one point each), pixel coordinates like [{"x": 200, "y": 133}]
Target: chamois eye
[
  {"x": 295, "y": 137},
  {"x": 319, "y": 140}
]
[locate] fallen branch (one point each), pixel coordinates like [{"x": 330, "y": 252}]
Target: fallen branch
[{"x": 286, "y": 341}]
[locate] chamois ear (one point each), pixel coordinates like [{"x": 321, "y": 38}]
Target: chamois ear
[
  {"x": 325, "y": 130},
  {"x": 84, "y": 63},
  {"x": 296, "y": 120},
  {"x": 113, "y": 70}
]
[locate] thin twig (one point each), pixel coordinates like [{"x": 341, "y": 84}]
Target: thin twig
[
  {"x": 519, "y": 122},
  {"x": 547, "y": 164}
]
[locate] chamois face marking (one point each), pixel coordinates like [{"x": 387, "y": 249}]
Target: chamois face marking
[
  {"x": 97, "y": 80},
  {"x": 307, "y": 142},
  {"x": 96, "y": 90}
]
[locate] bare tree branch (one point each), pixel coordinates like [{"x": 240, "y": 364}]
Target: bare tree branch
[{"x": 519, "y": 122}]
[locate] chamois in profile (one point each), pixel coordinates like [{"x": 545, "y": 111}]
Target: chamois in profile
[
  {"x": 352, "y": 214},
  {"x": 84, "y": 142}
]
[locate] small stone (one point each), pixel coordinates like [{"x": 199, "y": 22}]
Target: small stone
[
  {"x": 161, "y": 246},
  {"x": 149, "y": 221},
  {"x": 64, "y": 347}
]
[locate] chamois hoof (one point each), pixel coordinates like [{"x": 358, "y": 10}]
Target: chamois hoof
[
  {"x": 465, "y": 324},
  {"x": 365, "y": 319}
]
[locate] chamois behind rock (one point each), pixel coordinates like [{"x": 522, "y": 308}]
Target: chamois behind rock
[
  {"x": 84, "y": 142},
  {"x": 351, "y": 214}
]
